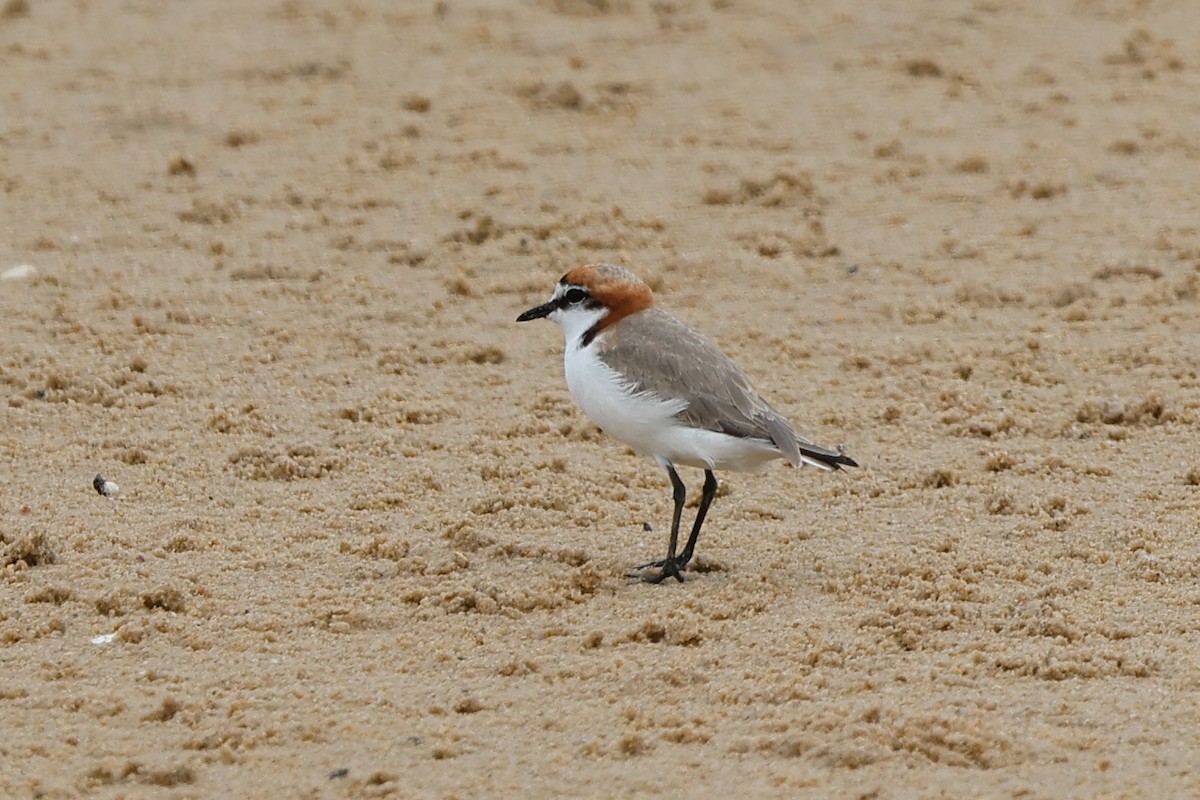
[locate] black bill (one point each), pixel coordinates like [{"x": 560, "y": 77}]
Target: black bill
[{"x": 544, "y": 310}]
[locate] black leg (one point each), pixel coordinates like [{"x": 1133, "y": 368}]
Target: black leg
[
  {"x": 710, "y": 491},
  {"x": 672, "y": 567},
  {"x": 679, "y": 492}
]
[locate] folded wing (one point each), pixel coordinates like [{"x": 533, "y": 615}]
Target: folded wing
[{"x": 719, "y": 396}]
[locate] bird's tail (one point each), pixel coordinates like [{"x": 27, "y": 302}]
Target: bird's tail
[
  {"x": 798, "y": 450},
  {"x": 824, "y": 458}
]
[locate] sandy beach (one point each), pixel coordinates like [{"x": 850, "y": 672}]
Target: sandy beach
[{"x": 260, "y": 265}]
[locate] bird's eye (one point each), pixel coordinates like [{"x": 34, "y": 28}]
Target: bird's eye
[{"x": 574, "y": 296}]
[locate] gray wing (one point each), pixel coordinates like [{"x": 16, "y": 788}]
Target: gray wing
[{"x": 719, "y": 396}]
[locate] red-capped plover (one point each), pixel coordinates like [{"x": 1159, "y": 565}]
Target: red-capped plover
[{"x": 664, "y": 389}]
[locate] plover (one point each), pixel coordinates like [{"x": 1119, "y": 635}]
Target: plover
[{"x": 664, "y": 389}]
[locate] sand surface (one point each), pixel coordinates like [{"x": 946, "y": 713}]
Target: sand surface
[{"x": 365, "y": 544}]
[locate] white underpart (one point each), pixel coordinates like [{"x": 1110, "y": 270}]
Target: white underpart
[{"x": 643, "y": 421}]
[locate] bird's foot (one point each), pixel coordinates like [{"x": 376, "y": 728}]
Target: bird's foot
[{"x": 667, "y": 568}]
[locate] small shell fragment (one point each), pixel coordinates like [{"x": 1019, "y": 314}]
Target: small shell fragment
[
  {"x": 18, "y": 272},
  {"x": 104, "y": 486}
]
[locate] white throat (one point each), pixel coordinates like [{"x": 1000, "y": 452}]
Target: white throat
[{"x": 575, "y": 322}]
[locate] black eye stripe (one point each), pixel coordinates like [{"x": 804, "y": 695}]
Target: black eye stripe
[{"x": 573, "y": 296}]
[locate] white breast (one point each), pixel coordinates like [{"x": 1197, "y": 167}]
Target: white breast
[
  {"x": 647, "y": 423},
  {"x": 637, "y": 419}
]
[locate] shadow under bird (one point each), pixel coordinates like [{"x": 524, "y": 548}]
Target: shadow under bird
[{"x": 664, "y": 389}]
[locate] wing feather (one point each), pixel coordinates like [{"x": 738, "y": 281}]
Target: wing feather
[{"x": 718, "y": 394}]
